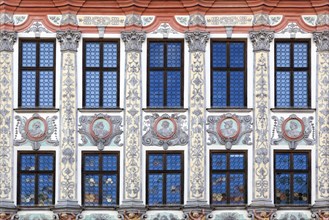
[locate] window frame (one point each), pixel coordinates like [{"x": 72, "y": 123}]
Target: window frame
[
  {"x": 100, "y": 173},
  {"x": 36, "y": 172},
  {"x": 37, "y": 70},
  {"x": 165, "y": 172},
  {"x": 165, "y": 69},
  {"x": 228, "y": 172},
  {"x": 228, "y": 70},
  {"x": 291, "y": 172},
  {"x": 291, "y": 71},
  {"x": 100, "y": 69}
]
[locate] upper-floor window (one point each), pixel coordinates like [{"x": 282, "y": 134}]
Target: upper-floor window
[
  {"x": 100, "y": 178},
  {"x": 228, "y": 74},
  {"x": 164, "y": 178},
  {"x": 292, "y": 74},
  {"x": 292, "y": 177},
  {"x": 228, "y": 178},
  {"x": 101, "y": 74},
  {"x": 165, "y": 74},
  {"x": 36, "y": 179},
  {"x": 37, "y": 73}
]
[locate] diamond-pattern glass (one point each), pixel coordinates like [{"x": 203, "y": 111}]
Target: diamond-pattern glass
[
  {"x": 283, "y": 54},
  {"x": 91, "y": 163},
  {"x": 92, "y": 54},
  {"x": 237, "y": 89},
  {"x": 300, "y": 89},
  {"x": 236, "y": 161},
  {"x": 219, "y": 161},
  {"x": 45, "y": 189},
  {"x": 155, "y": 189},
  {"x": 300, "y": 54},
  {"x": 92, "y": 89},
  {"x": 237, "y": 54},
  {"x": 173, "y": 188},
  {"x": 46, "y": 54},
  {"x": 219, "y": 189},
  {"x": 110, "y": 52},
  {"x": 46, "y": 90},
  {"x": 300, "y": 193},
  {"x": 156, "y": 54},
  {"x": 174, "y": 51},
  {"x": 156, "y": 90},
  {"x": 91, "y": 187},
  {"x": 29, "y": 54},
  {"x": 28, "y": 162},
  {"x": 282, "y": 161},
  {"x": 300, "y": 161},
  {"x": 28, "y": 89},
  {"x": 27, "y": 189},
  {"x": 156, "y": 162},
  {"x": 283, "y": 89},
  {"x": 110, "y": 189},
  {"x": 46, "y": 162},
  {"x": 110, "y": 90},
  {"x": 174, "y": 162},
  {"x": 219, "y": 89},
  {"x": 219, "y": 54},
  {"x": 237, "y": 188},
  {"x": 282, "y": 192},
  {"x": 110, "y": 162},
  {"x": 173, "y": 89}
]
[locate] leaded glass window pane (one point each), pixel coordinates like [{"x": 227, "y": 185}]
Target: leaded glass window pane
[
  {"x": 174, "y": 52},
  {"x": 173, "y": 188},
  {"x": 92, "y": 89},
  {"x": 155, "y": 189},
  {"x": 173, "y": 88},
  {"x": 237, "y": 89},
  {"x": 300, "y": 89},
  {"x": 46, "y": 90},
  {"x": 28, "y": 91},
  {"x": 219, "y": 81},
  {"x": 156, "y": 89},
  {"x": 236, "y": 54},
  {"x": 46, "y": 54},
  {"x": 283, "y": 55},
  {"x": 110, "y": 52},
  {"x": 110, "y": 90},
  {"x": 282, "y": 93},
  {"x": 156, "y": 54},
  {"x": 29, "y": 54}
]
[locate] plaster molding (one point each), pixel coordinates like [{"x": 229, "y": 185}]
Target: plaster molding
[
  {"x": 197, "y": 20},
  {"x": 133, "y": 19},
  {"x": 261, "y": 40},
  {"x": 292, "y": 28},
  {"x": 69, "y": 19},
  {"x": 321, "y": 39},
  {"x": 165, "y": 29},
  {"x": 310, "y": 19},
  {"x": 182, "y": 19},
  {"x": 197, "y": 41},
  {"x": 275, "y": 19},
  {"x": 20, "y": 19},
  {"x": 37, "y": 27},
  {"x": 322, "y": 19},
  {"x": 55, "y": 19},
  {"x": 229, "y": 20},
  {"x": 133, "y": 40},
  {"x": 147, "y": 20},
  {"x": 101, "y": 20},
  {"x": 6, "y": 18},
  {"x": 7, "y": 40},
  {"x": 261, "y": 19},
  {"x": 69, "y": 40}
]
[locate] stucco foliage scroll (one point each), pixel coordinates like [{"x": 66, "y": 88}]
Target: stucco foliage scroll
[
  {"x": 165, "y": 130},
  {"x": 229, "y": 129},
  {"x": 100, "y": 130}
]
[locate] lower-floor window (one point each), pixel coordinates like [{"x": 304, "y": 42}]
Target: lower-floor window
[
  {"x": 292, "y": 177},
  {"x": 100, "y": 178},
  {"x": 165, "y": 178},
  {"x": 228, "y": 177},
  {"x": 36, "y": 179}
]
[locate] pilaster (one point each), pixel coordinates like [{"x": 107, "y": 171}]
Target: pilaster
[
  {"x": 133, "y": 115},
  {"x": 261, "y": 153},
  {"x": 197, "y": 41},
  {"x": 7, "y": 40}
]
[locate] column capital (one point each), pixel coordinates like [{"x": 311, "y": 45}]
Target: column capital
[
  {"x": 321, "y": 39},
  {"x": 7, "y": 40},
  {"x": 197, "y": 40},
  {"x": 133, "y": 40},
  {"x": 261, "y": 40},
  {"x": 69, "y": 40}
]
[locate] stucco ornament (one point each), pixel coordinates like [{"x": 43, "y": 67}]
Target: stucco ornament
[
  {"x": 294, "y": 216},
  {"x": 323, "y": 19},
  {"x": 227, "y": 216},
  {"x": 130, "y": 215},
  {"x": 292, "y": 28},
  {"x": 100, "y": 130},
  {"x": 197, "y": 40},
  {"x": 133, "y": 40},
  {"x": 261, "y": 19},
  {"x": 261, "y": 40},
  {"x": 262, "y": 214},
  {"x": 20, "y": 19},
  {"x": 98, "y": 216},
  {"x": 69, "y": 40},
  {"x": 7, "y": 40},
  {"x": 6, "y": 18},
  {"x": 133, "y": 19},
  {"x": 165, "y": 29},
  {"x": 147, "y": 20},
  {"x": 321, "y": 214},
  {"x": 164, "y": 130},
  {"x": 195, "y": 215},
  {"x": 197, "y": 19},
  {"x": 228, "y": 129},
  {"x": 69, "y": 19},
  {"x": 37, "y": 27},
  {"x": 163, "y": 216},
  {"x": 293, "y": 130},
  {"x": 36, "y": 130},
  {"x": 322, "y": 40}
]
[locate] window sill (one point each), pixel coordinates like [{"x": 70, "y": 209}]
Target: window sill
[
  {"x": 36, "y": 110},
  {"x": 98, "y": 110},
  {"x": 291, "y": 206},
  {"x": 111, "y": 207},
  {"x": 229, "y": 110},
  {"x": 165, "y": 207},
  {"x": 36, "y": 207},
  {"x": 228, "y": 206},
  {"x": 165, "y": 109},
  {"x": 294, "y": 110}
]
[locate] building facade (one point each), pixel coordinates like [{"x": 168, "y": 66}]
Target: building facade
[{"x": 140, "y": 109}]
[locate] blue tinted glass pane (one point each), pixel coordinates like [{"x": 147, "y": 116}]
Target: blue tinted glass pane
[
  {"x": 110, "y": 162},
  {"x": 236, "y": 161},
  {"x": 174, "y": 54},
  {"x": 300, "y": 161},
  {"x": 236, "y": 54},
  {"x": 91, "y": 185},
  {"x": 110, "y": 189},
  {"x": 29, "y": 55},
  {"x": 46, "y": 54},
  {"x": 28, "y": 162},
  {"x": 282, "y": 161},
  {"x": 300, "y": 54},
  {"x": 110, "y": 92},
  {"x": 156, "y": 54},
  {"x": 91, "y": 162},
  {"x": 219, "y": 54},
  {"x": 28, "y": 89},
  {"x": 110, "y": 52},
  {"x": 282, "y": 190},
  {"x": 300, "y": 194},
  {"x": 156, "y": 162},
  {"x": 236, "y": 89},
  {"x": 156, "y": 89},
  {"x": 92, "y": 54},
  {"x": 219, "y": 161},
  {"x": 219, "y": 89},
  {"x": 46, "y": 90},
  {"x": 174, "y": 162},
  {"x": 45, "y": 189},
  {"x": 173, "y": 89},
  {"x": 218, "y": 186},
  {"x": 173, "y": 188},
  {"x": 237, "y": 188},
  {"x": 92, "y": 89},
  {"x": 283, "y": 89},
  {"x": 283, "y": 55},
  {"x": 155, "y": 189},
  {"x": 46, "y": 162},
  {"x": 27, "y": 188},
  {"x": 300, "y": 89}
]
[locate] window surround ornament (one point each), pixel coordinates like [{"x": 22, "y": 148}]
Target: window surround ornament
[
  {"x": 133, "y": 40},
  {"x": 197, "y": 40},
  {"x": 321, "y": 40},
  {"x": 261, "y": 40},
  {"x": 7, "y": 40},
  {"x": 69, "y": 40}
]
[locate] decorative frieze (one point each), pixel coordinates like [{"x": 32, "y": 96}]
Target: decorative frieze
[
  {"x": 261, "y": 40},
  {"x": 7, "y": 40},
  {"x": 133, "y": 41},
  {"x": 101, "y": 20},
  {"x": 69, "y": 40},
  {"x": 229, "y": 20},
  {"x": 197, "y": 41},
  {"x": 321, "y": 40}
]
